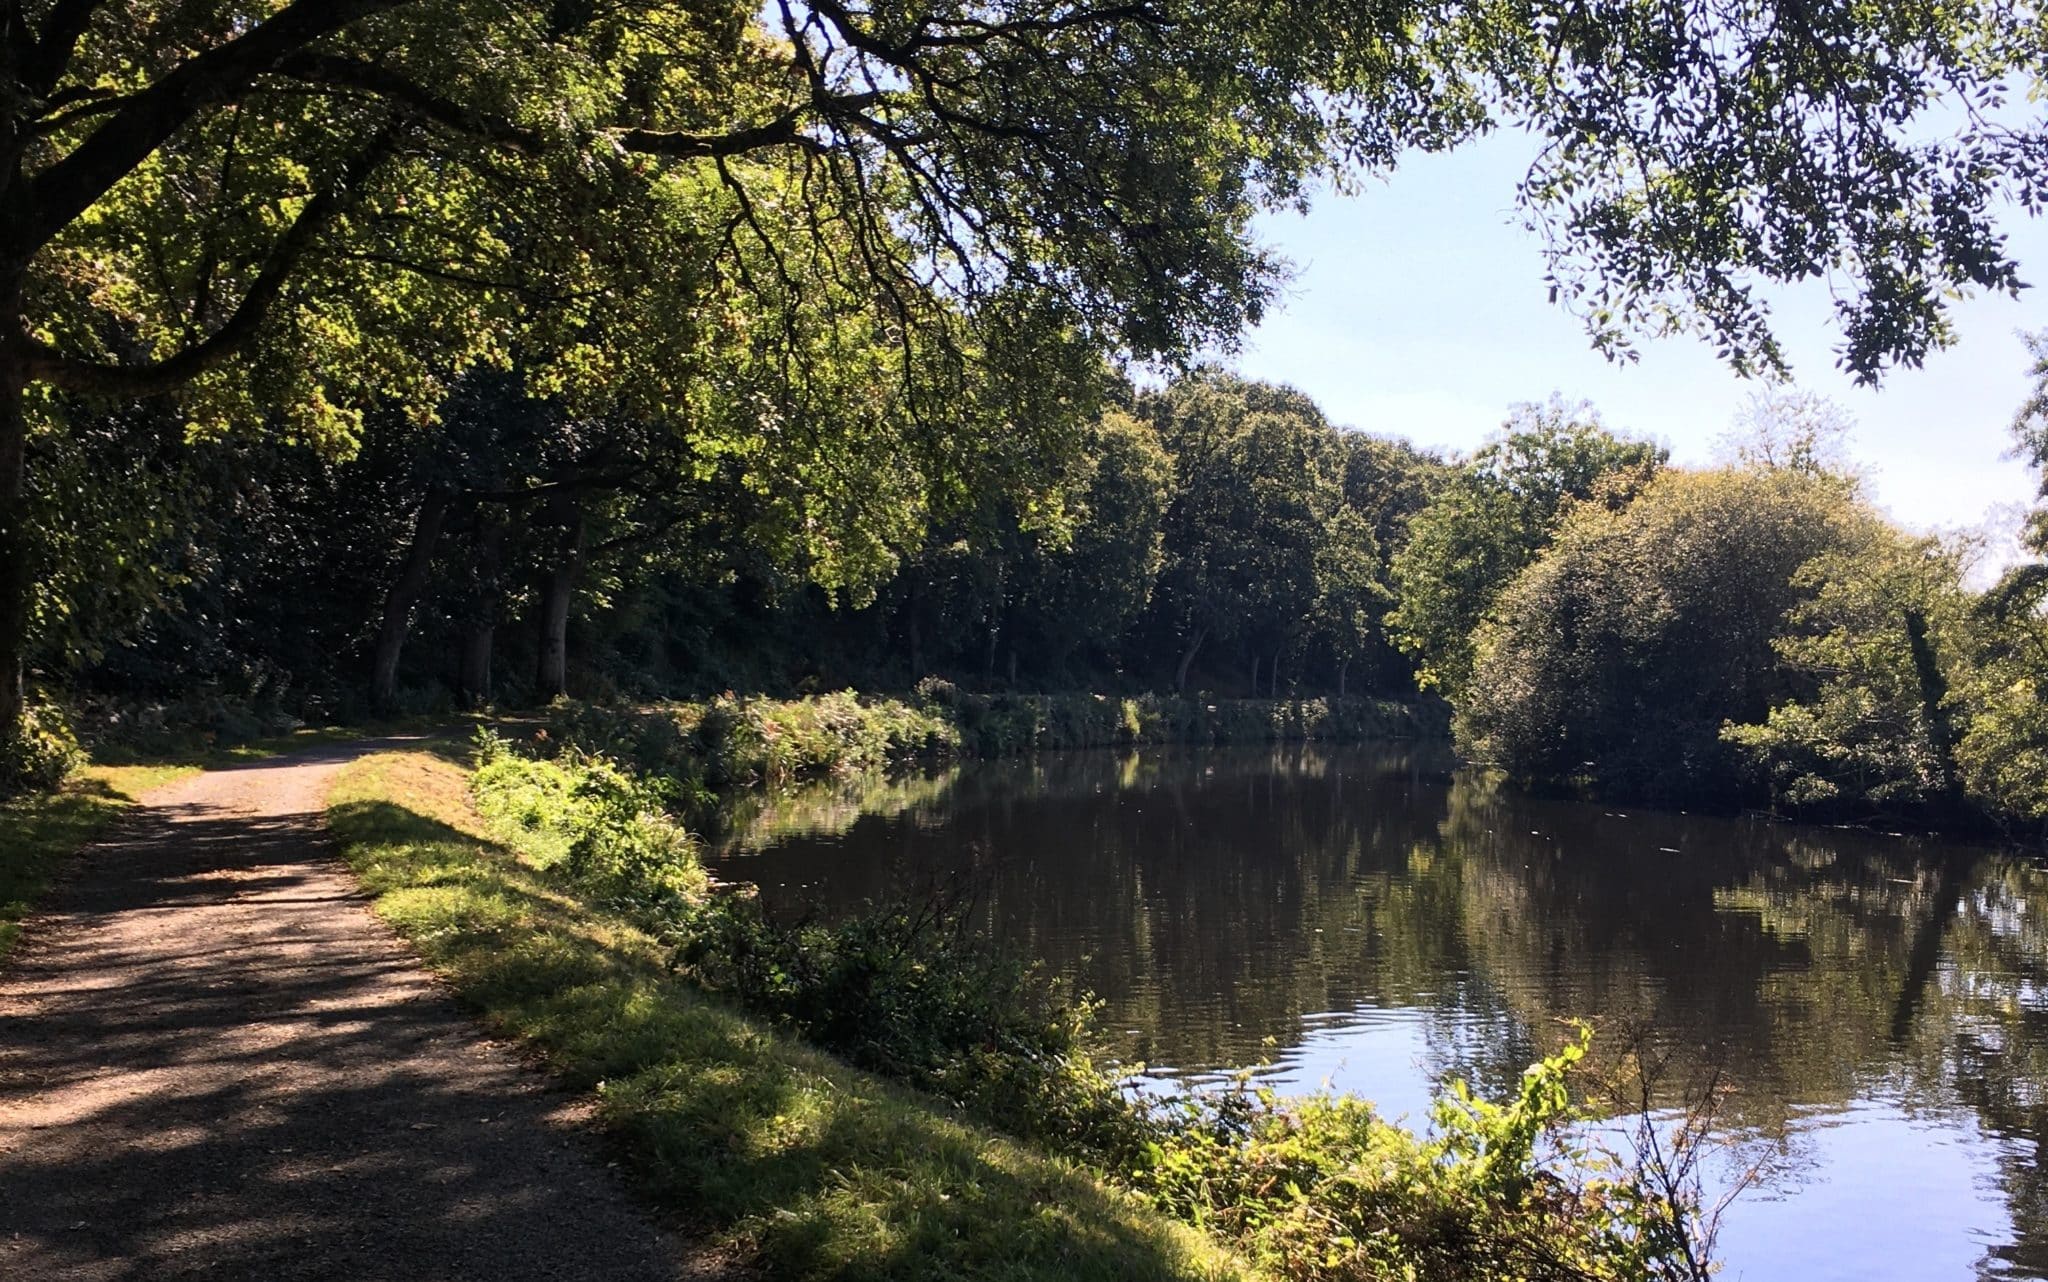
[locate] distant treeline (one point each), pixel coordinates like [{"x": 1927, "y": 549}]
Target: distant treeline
[
  {"x": 1216, "y": 535},
  {"x": 1751, "y": 634}
]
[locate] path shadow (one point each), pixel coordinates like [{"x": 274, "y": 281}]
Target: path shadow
[{"x": 214, "y": 1061}]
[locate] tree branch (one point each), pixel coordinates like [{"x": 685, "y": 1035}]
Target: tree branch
[
  {"x": 60, "y": 193},
  {"x": 62, "y": 26},
  {"x": 398, "y": 90},
  {"x": 42, "y": 363},
  {"x": 781, "y": 131}
]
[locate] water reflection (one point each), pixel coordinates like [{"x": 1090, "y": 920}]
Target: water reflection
[{"x": 1361, "y": 918}]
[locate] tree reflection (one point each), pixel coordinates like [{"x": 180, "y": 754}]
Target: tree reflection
[{"x": 1228, "y": 906}]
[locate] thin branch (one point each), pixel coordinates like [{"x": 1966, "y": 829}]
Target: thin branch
[
  {"x": 43, "y": 363},
  {"x": 60, "y": 193}
]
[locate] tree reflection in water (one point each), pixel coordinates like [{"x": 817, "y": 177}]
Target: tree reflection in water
[{"x": 1362, "y": 916}]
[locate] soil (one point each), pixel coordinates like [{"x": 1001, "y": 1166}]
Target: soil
[{"x": 216, "y": 1062}]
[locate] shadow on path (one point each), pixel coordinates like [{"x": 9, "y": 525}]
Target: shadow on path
[{"x": 214, "y": 1060}]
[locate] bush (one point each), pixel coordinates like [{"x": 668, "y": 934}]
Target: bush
[
  {"x": 997, "y": 725},
  {"x": 909, "y": 992},
  {"x": 192, "y": 722},
  {"x": 733, "y": 741},
  {"x": 41, "y": 755},
  {"x": 609, "y": 831},
  {"x": 1322, "y": 1187}
]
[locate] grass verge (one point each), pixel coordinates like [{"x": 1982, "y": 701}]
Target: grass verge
[
  {"x": 798, "y": 1163},
  {"x": 38, "y": 832}
]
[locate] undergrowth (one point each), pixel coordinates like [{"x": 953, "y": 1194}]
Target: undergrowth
[
  {"x": 797, "y": 1163},
  {"x": 1314, "y": 1188},
  {"x": 731, "y": 743}
]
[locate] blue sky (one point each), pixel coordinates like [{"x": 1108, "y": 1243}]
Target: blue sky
[{"x": 1419, "y": 310}]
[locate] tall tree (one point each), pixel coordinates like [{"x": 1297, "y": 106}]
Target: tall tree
[
  {"x": 745, "y": 218},
  {"x": 1257, "y": 479},
  {"x": 1617, "y": 658},
  {"x": 1489, "y": 521},
  {"x": 1090, "y": 586}
]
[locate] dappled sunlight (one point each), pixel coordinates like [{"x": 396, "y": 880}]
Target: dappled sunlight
[
  {"x": 210, "y": 1047},
  {"x": 775, "y": 1148}
]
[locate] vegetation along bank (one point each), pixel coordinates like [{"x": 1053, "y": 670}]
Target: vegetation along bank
[
  {"x": 884, "y": 1097},
  {"x": 1217, "y": 558}
]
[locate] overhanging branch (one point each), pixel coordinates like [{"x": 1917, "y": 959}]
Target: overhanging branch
[
  {"x": 60, "y": 193},
  {"x": 785, "y": 130},
  {"x": 45, "y": 364}
]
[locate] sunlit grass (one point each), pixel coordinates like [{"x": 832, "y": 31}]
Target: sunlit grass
[{"x": 798, "y": 1163}]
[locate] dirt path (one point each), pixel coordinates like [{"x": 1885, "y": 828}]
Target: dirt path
[{"x": 214, "y": 1061}]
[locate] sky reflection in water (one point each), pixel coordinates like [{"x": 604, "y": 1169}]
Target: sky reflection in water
[{"x": 1361, "y": 918}]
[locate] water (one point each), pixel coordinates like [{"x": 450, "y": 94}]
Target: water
[{"x": 1879, "y": 1005}]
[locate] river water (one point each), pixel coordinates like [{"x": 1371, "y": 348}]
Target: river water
[{"x": 1875, "y": 1006}]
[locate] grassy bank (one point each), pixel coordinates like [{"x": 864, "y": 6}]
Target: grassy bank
[
  {"x": 734, "y": 742},
  {"x": 794, "y": 1161},
  {"x": 544, "y": 904},
  {"x": 39, "y": 831}
]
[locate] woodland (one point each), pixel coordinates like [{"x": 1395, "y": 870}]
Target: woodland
[{"x": 706, "y": 394}]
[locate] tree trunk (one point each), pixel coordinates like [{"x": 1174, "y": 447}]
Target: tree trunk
[
  {"x": 1274, "y": 679},
  {"x": 476, "y": 663},
  {"x": 1941, "y": 739},
  {"x": 483, "y": 615},
  {"x": 1343, "y": 669},
  {"x": 916, "y": 634},
  {"x": 1187, "y": 659},
  {"x": 15, "y": 575},
  {"x": 398, "y": 604},
  {"x": 14, "y": 567},
  {"x": 995, "y": 636},
  {"x": 1255, "y": 674},
  {"x": 556, "y": 595}
]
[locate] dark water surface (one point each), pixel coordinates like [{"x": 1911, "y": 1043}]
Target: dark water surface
[{"x": 1347, "y": 916}]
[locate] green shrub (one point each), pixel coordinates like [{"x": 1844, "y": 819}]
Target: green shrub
[
  {"x": 733, "y": 741},
  {"x": 909, "y": 992},
  {"x": 998, "y": 725},
  {"x": 195, "y": 721},
  {"x": 609, "y": 831},
  {"x": 41, "y": 755},
  {"x": 1321, "y": 1187}
]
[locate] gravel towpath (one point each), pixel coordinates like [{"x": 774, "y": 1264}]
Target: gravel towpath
[{"x": 216, "y": 1062}]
